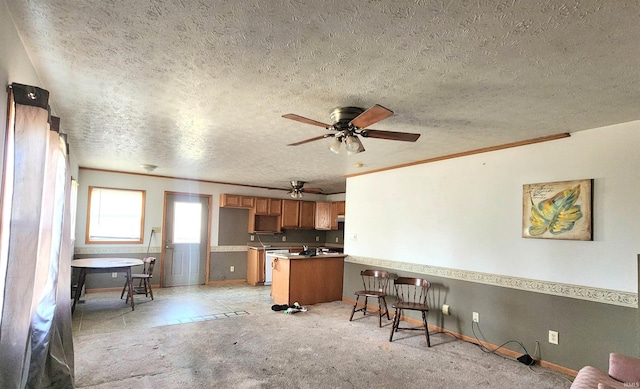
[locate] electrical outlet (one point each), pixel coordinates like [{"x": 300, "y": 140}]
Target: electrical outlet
[
  {"x": 232, "y": 269},
  {"x": 157, "y": 230},
  {"x": 337, "y": 239},
  {"x": 445, "y": 309},
  {"x": 553, "y": 337},
  {"x": 476, "y": 317},
  {"x": 114, "y": 275},
  {"x": 284, "y": 238},
  {"x": 317, "y": 239},
  {"x": 252, "y": 238}
]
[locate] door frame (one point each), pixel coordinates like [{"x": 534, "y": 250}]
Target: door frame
[{"x": 164, "y": 219}]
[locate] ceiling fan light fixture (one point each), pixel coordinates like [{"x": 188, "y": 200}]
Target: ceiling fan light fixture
[
  {"x": 296, "y": 194},
  {"x": 335, "y": 144},
  {"x": 353, "y": 145}
]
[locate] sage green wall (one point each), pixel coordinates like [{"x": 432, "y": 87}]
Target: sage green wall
[
  {"x": 233, "y": 226},
  {"x": 221, "y": 262},
  {"x": 588, "y": 331},
  {"x": 232, "y": 231},
  {"x": 104, "y": 280}
]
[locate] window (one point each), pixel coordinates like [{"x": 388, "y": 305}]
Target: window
[
  {"x": 186, "y": 222},
  {"x": 6, "y": 195},
  {"x": 115, "y": 215},
  {"x": 73, "y": 199}
]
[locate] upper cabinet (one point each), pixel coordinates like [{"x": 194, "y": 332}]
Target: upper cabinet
[
  {"x": 273, "y": 215},
  {"x": 298, "y": 214},
  {"x": 268, "y": 206},
  {"x": 265, "y": 215},
  {"x": 324, "y": 215},
  {"x": 327, "y": 214},
  {"x": 290, "y": 213},
  {"x": 307, "y": 214},
  {"x": 334, "y": 215},
  {"x": 236, "y": 201}
]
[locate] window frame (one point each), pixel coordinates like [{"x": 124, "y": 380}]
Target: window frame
[{"x": 87, "y": 238}]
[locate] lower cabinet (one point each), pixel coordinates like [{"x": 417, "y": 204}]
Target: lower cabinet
[
  {"x": 307, "y": 281},
  {"x": 255, "y": 267}
]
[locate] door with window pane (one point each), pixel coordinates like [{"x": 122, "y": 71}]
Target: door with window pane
[{"x": 186, "y": 240}]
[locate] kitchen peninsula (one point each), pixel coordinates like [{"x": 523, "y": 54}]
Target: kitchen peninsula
[{"x": 307, "y": 279}]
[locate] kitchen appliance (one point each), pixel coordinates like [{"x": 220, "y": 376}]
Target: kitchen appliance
[{"x": 268, "y": 259}]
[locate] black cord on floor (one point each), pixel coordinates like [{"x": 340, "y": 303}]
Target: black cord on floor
[{"x": 487, "y": 350}]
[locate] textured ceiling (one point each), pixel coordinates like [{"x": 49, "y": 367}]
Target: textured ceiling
[{"x": 198, "y": 88}]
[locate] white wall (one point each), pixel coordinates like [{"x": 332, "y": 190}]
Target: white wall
[
  {"x": 15, "y": 65},
  {"x": 466, "y": 213}
]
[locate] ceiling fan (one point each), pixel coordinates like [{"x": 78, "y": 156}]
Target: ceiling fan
[
  {"x": 297, "y": 188},
  {"x": 348, "y": 123}
]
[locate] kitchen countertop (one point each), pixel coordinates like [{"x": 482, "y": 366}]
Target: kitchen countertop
[
  {"x": 321, "y": 255},
  {"x": 293, "y": 246}
]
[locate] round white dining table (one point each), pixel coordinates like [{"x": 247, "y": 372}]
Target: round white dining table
[{"x": 104, "y": 265}]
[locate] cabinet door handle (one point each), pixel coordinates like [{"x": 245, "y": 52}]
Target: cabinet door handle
[{"x": 273, "y": 263}]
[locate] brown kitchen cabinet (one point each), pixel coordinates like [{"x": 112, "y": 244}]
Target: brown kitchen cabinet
[
  {"x": 236, "y": 201},
  {"x": 327, "y": 214},
  {"x": 263, "y": 223},
  {"x": 265, "y": 215},
  {"x": 308, "y": 280},
  {"x": 307, "y": 214},
  {"x": 290, "y": 214},
  {"x": 268, "y": 206},
  {"x": 334, "y": 215},
  {"x": 323, "y": 215},
  {"x": 341, "y": 206},
  {"x": 298, "y": 214},
  {"x": 255, "y": 267}
]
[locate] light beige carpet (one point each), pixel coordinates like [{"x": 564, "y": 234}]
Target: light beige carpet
[{"x": 319, "y": 348}]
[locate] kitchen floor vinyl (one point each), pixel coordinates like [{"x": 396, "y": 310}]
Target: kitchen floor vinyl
[{"x": 105, "y": 312}]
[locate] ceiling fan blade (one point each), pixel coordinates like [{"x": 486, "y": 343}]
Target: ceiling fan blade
[
  {"x": 310, "y": 140},
  {"x": 371, "y": 116},
  {"x": 390, "y": 135},
  {"x": 303, "y": 119},
  {"x": 312, "y": 190}
]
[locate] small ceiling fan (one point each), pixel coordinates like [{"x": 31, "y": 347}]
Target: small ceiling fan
[
  {"x": 348, "y": 123},
  {"x": 297, "y": 188}
]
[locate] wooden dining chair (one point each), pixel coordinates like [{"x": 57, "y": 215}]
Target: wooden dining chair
[
  {"x": 144, "y": 279},
  {"x": 375, "y": 283},
  {"x": 412, "y": 296}
]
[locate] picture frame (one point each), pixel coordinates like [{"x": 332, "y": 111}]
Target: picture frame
[{"x": 558, "y": 210}]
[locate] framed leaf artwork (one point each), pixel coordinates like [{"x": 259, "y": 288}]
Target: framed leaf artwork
[{"x": 558, "y": 210}]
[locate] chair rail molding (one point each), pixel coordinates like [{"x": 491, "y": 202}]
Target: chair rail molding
[
  {"x": 600, "y": 295},
  {"x": 91, "y": 250}
]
